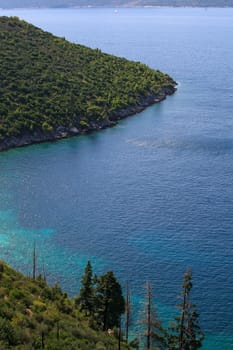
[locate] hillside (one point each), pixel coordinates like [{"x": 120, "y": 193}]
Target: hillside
[
  {"x": 36, "y": 316},
  {"x": 51, "y": 88},
  {"x": 113, "y": 3}
]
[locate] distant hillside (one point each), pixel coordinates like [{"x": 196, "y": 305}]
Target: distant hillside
[
  {"x": 51, "y": 88},
  {"x": 113, "y": 3}
]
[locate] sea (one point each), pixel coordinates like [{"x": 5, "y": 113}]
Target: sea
[{"x": 151, "y": 197}]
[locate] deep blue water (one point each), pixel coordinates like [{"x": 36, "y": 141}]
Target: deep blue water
[{"x": 150, "y": 197}]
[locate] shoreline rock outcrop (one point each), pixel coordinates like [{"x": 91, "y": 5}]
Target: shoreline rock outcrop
[
  {"x": 52, "y": 89},
  {"x": 64, "y": 132}
]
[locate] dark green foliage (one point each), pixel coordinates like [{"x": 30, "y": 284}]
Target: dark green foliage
[
  {"x": 102, "y": 298},
  {"x": 185, "y": 332},
  {"x": 48, "y": 83},
  {"x": 7, "y": 332},
  {"x": 36, "y": 316},
  {"x": 86, "y": 298},
  {"x": 110, "y": 304}
]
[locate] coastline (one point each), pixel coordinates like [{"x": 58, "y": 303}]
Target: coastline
[
  {"x": 65, "y": 132},
  {"x": 117, "y": 7}
]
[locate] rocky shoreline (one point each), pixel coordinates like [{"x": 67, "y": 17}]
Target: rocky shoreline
[{"x": 64, "y": 132}]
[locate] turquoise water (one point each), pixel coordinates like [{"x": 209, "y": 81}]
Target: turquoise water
[{"x": 153, "y": 195}]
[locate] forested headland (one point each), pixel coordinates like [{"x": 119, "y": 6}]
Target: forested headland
[{"x": 51, "y": 88}]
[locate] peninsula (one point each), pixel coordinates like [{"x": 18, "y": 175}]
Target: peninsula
[{"x": 51, "y": 88}]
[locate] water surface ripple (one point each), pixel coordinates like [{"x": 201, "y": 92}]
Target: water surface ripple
[{"x": 153, "y": 195}]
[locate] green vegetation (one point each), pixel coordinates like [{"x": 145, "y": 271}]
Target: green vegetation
[
  {"x": 183, "y": 333},
  {"x": 49, "y": 85},
  {"x": 36, "y": 316},
  {"x": 102, "y": 299},
  {"x": 110, "y": 303},
  {"x": 87, "y": 296}
]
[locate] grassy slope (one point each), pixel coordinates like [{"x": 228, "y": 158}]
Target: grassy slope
[
  {"x": 30, "y": 309},
  {"x": 47, "y": 82}
]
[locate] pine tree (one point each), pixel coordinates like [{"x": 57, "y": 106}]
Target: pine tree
[
  {"x": 109, "y": 301},
  {"x": 154, "y": 332},
  {"x": 86, "y": 298},
  {"x": 186, "y": 333}
]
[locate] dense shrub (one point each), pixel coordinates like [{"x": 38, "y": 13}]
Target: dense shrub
[{"x": 47, "y": 82}]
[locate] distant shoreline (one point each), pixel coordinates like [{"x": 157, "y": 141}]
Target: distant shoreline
[
  {"x": 116, "y": 7},
  {"x": 63, "y": 132}
]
